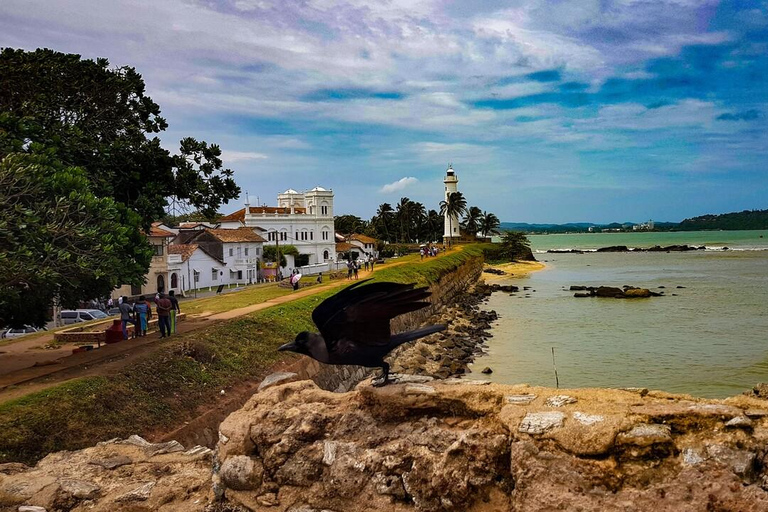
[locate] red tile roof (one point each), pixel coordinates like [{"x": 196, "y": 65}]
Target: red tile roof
[
  {"x": 236, "y": 235},
  {"x": 343, "y": 247},
  {"x": 156, "y": 231},
  {"x": 363, "y": 238},
  {"x": 239, "y": 215},
  {"x": 186, "y": 250}
]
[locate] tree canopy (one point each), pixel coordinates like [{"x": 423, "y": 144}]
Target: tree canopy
[{"x": 78, "y": 137}]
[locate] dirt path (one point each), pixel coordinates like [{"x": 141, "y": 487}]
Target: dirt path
[{"x": 25, "y": 368}]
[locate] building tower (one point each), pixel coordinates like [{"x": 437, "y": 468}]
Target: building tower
[{"x": 451, "y": 224}]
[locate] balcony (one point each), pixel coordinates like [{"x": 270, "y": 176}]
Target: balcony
[{"x": 174, "y": 259}]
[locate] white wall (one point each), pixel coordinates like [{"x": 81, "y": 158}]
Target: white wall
[{"x": 204, "y": 263}]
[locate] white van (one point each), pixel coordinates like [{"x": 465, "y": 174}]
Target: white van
[{"x": 73, "y": 316}]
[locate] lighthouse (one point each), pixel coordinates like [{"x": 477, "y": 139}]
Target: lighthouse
[{"x": 451, "y": 223}]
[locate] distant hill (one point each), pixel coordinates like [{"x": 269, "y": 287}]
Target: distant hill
[{"x": 748, "y": 219}]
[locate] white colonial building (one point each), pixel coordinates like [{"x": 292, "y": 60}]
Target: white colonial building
[{"x": 301, "y": 219}]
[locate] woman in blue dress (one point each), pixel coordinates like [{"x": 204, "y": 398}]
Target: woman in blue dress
[{"x": 142, "y": 316}]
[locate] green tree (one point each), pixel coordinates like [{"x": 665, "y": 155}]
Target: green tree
[
  {"x": 472, "y": 219},
  {"x": 99, "y": 119},
  {"x": 349, "y": 224},
  {"x": 516, "y": 246},
  {"x": 85, "y": 130},
  {"x": 270, "y": 253},
  {"x": 383, "y": 220},
  {"x": 489, "y": 224},
  {"x": 60, "y": 240},
  {"x": 454, "y": 205}
]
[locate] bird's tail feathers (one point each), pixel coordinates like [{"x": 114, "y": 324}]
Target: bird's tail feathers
[{"x": 405, "y": 337}]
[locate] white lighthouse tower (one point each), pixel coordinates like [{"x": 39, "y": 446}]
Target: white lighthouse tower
[{"x": 451, "y": 223}]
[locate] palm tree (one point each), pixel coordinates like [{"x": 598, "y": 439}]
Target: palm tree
[
  {"x": 489, "y": 224},
  {"x": 454, "y": 205},
  {"x": 434, "y": 226},
  {"x": 472, "y": 220},
  {"x": 384, "y": 216},
  {"x": 418, "y": 216},
  {"x": 403, "y": 216}
]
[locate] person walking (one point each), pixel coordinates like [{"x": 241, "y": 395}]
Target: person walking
[
  {"x": 164, "y": 307},
  {"x": 126, "y": 313},
  {"x": 355, "y": 267},
  {"x": 174, "y": 310},
  {"x": 350, "y": 269},
  {"x": 372, "y": 262}
]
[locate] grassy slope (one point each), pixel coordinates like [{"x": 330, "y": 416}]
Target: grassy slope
[{"x": 164, "y": 390}]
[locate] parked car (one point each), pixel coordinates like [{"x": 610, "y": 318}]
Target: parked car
[
  {"x": 15, "y": 333},
  {"x": 73, "y": 316},
  {"x": 113, "y": 311}
]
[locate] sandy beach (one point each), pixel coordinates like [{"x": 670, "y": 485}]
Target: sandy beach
[{"x": 514, "y": 269}]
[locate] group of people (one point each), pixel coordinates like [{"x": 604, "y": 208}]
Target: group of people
[
  {"x": 353, "y": 266},
  {"x": 428, "y": 250},
  {"x": 139, "y": 313}
]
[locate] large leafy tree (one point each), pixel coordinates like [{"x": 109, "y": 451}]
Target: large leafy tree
[
  {"x": 349, "y": 224},
  {"x": 59, "y": 239},
  {"x": 516, "y": 246},
  {"x": 383, "y": 221},
  {"x": 77, "y": 136},
  {"x": 454, "y": 205},
  {"x": 100, "y": 119}
]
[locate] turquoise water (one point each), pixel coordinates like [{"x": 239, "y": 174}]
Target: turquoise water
[{"x": 708, "y": 338}]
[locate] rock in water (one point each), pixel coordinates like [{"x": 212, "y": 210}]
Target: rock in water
[{"x": 486, "y": 370}]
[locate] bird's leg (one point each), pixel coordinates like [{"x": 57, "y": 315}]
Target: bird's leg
[{"x": 384, "y": 378}]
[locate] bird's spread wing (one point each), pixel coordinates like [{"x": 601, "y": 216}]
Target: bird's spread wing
[{"x": 362, "y": 313}]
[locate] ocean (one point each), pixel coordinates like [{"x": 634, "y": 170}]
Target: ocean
[{"x": 707, "y": 336}]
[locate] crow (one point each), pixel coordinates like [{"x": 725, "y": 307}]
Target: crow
[{"x": 354, "y": 325}]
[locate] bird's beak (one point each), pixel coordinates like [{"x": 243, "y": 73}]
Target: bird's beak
[{"x": 288, "y": 346}]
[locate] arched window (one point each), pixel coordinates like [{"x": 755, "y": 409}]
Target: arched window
[
  {"x": 325, "y": 255},
  {"x": 160, "y": 283},
  {"x": 174, "y": 280}
]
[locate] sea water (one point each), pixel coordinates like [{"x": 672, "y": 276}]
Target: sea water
[{"x": 707, "y": 336}]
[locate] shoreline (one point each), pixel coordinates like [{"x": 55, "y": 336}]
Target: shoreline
[{"x": 512, "y": 270}]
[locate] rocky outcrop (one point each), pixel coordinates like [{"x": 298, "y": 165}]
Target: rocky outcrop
[
  {"x": 612, "y": 292},
  {"x": 474, "y": 446},
  {"x": 114, "y": 476},
  {"x": 424, "y": 445}
]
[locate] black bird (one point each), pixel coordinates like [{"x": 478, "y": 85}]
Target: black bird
[{"x": 354, "y": 325}]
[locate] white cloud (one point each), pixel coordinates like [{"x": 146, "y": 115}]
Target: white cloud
[
  {"x": 238, "y": 156},
  {"x": 398, "y": 185}
]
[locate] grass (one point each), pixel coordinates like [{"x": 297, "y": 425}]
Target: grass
[
  {"x": 253, "y": 294},
  {"x": 165, "y": 389}
]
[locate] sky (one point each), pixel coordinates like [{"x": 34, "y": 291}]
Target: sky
[{"x": 549, "y": 111}]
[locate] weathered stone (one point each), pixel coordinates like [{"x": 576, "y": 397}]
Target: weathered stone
[
  {"x": 520, "y": 399},
  {"x": 31, "y": 508},
  {"x": 241, "y": 473},
  {"x": 487, "y": 370},
  {"x": 756, "y": 413},
  {"x": 79, "y": 489},
  {"x": 587, "y": 419},
  {"x": 693, "y": 456},
  {"x": 277, "y": 378},
  {"x": 112, "y": 462},
  {"x": 268, "y": 500},
  {"x": 742, "y": 462},
  {"x": 559, "y": 400},
  {"x": 391, "y": 485},
  {"x": 419, "y": 389},
  {"x": 141, "y": 493},
  {"x": 540, "y": 422},
  {"x": 645, "y": 435},
  {"x": 739, "y": 422}
]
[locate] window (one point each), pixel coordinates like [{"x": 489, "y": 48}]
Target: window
[
  {"x": 214, "y": 274},
  {"x": 230, "y": 252},
  {"x": 158, "y": 250},
  {"x": 85, "y": 316},
  {"x": 284, "y": 236},
  {"x": 324, "y": 210},
  {"x": 174, "y": 280},
  {"x": 246, "y": 251},
  {"x": 311, "y": 235},
  {"x": 239, "y": 275},
  {"x": 297, "y": 236},
  {"x": 239, "y": 252},
  {"x": 197, "y": 276},
  {"x": 325, "y": 236},
  {"x": 325, "y": 255}
]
